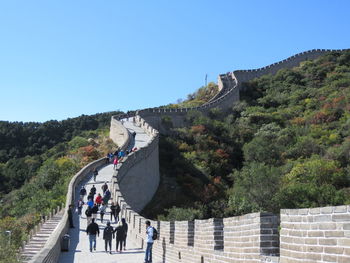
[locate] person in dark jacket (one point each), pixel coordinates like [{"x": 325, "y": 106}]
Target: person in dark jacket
[
  {"x": 95, "y": 172},
  {"x": 93, "y": 189},
  {"x": 92, "y": 230},
  {"x": 90, "y": 196},
  {"x": 104, "y": 187},
  {"x": 106, "y": 196},
  {"x": 80, "y": 206},
  {"x": 117, "y": 211},
  {"x": 113, "y": 212},
  {"x": 119, "y": 236},
  {"x": 94, "y": 211},
  {"x": 70, "y": 216},
  {"x": 108, "y": 234},
  {"x": 125, "y": 227},
  {"x": 88, "y": 214},
  {"x": 82, "y": 193}
]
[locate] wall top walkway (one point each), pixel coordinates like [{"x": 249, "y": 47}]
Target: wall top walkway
[{"x": 79, "y": 248}]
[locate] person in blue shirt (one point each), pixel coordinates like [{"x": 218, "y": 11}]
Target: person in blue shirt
[{"x": 149, "y": 239}]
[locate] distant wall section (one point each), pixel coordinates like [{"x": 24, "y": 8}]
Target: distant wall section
[{"x": 138, "y": 176}]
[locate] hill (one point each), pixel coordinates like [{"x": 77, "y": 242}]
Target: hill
[
  {"x": 286, "y": 144},
  {"x": 39, "y": 159}
]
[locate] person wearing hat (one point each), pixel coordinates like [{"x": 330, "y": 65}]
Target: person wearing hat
[{"x": 108, "y": 234}]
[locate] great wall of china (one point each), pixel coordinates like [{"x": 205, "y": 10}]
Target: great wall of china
[{"x": 296, "y": 235}]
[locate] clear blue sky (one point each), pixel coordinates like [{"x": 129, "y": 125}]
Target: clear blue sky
[{"x": 61, "y": 59}]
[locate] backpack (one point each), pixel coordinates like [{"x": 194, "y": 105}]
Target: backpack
[{"x": 155, "y": 234}]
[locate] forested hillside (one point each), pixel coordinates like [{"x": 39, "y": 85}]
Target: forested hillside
[
  {"x": 286, "y": 144},
  {"x": 21, "y": 144},
  {"x": 38, "y": 161}
]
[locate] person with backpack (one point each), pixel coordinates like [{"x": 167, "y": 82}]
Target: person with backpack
[
  {"x": 92, "y": 230},
  {"x": 151, "y": 235},
  {"x": 125, "y": 227},
  {"x": 108, "y": 234}
]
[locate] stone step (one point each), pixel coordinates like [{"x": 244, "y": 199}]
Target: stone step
[{"x": 29, "y": 252}]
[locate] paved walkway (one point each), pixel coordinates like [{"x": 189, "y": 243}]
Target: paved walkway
[{"x": 79, "y": 246}]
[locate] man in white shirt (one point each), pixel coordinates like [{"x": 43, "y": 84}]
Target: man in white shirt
[{"x": 149, "y": 238}]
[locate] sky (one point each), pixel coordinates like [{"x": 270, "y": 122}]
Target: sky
[{"x": 62, "y": 59}]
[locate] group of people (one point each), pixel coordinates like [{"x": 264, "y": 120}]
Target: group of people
[
  {"x": 120, "y": 233},
  {"x": 100, "y": 205},
  {"x": 118, "y": 156}
]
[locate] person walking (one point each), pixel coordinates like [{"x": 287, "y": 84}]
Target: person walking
[
  {"x": 95, "y": 172},
  {"x": 90, "y": 203},
  {"x": 94, "y": 211},
  {"x": 149, "y": 240},
  {"x": 115, "y": 162},
  {"x": 88, "y": 213},
  {"x": 104, "y": 187},
  {"x": 108, "y": 234},
  {"x": 70, "y": 216},
  {"x": 91, "y": 196},
  {"x": 93, "y": 189},
  {"x": 106, "y": 196},
  {"x": 80, "y": 206},
  {"x": 98, "y": 200},
  {"x": 113, "y": 212},
  {"x": 119, "y": 236},
  {"x": 102, "y": 211},
  {"x": 125, "y": 229},
  {"x": 92, "y": 230},
  {"x": 117, "y": 211},
  {"x": 82, "y": 193}
]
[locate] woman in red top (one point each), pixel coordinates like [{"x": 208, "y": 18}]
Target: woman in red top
[
  {"x": 98, "y": 200},
  {"x": 115, "y": 162}
]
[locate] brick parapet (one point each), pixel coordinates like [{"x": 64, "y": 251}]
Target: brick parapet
[{"x": 319, "y": 234}]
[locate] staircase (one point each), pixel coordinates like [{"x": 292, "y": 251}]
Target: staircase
[{"x": 39, "y": 239}]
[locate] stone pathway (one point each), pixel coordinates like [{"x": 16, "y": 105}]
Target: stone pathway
[{"x": 79, "y": 243}]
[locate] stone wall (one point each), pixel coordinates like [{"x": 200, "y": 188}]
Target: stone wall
[
  {"x": 139, "y": 172},
  {"x": 230, "y": 85},
  {"x": 118, "y": 133},
  {"x": 52, "y": 249},
  {"x": 248, "y": 238},
  {"x": 315, "y": 235},
  {"x": 293, "y": 61}
]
